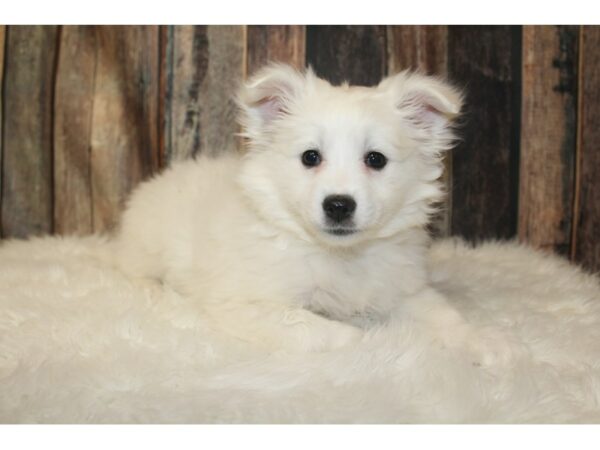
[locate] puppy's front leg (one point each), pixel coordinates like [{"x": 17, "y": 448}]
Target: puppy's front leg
[
  {"x": 487, "y": 346},
  {"x": 276, "y": 327}
]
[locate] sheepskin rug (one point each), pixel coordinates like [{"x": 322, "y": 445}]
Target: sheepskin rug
[{"x": 79, "y": 342}]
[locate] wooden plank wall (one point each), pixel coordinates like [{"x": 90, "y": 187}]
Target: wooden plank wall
[
  {"x": 105, "y": 111},
  {"x": 87, "y": 112},
  {"x": 27, "y": 193},
  {"x": 2, "y": 47},
  {"x": 483, "y": 170},
  {"x": 585, "y": 247},
  {"x": 549, "y": 134},
  {"x": 202, "y": 68}
]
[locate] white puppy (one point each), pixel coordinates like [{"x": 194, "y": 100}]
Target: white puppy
[{"x": 318, "y": 229}]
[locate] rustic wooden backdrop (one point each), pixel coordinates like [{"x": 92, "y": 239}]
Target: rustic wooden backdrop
[{"x": 90, "y": 111}]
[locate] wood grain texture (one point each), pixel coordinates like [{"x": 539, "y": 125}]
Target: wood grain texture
[
  {"x": 548, "y": 136},
  {"x": 186, "y": 67},
  {"x": 586, "y": 247},
  {"x": 424, "y": 48},
  {"x": 89, "y": 112},
  {"x": 356, "y": 54},
  {"x": 73, "y": 104},
  {"x": 276, "y": 43},
  {"x": 204, "y": 67},
  {"x": 27, "y": 151},
  {"x": 124, "y": 129},
  {"x": 486, "y": 61},
  {"x": 2, "y": 44}
]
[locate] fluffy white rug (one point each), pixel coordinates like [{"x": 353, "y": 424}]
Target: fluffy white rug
[{"x": 81, "y": 343}]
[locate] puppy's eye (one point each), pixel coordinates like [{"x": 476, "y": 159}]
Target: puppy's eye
[
  {"x": 311, "y": 158},
  {"x": 375, "y": 160}
]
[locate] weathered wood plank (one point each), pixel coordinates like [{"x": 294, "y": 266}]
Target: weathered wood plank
[
  {"x": 486, "y": 61},
  {"x": 424, "y": 48},
  {"x": 276, "y": 43},
  {"x": 27, "y": 150},
  {"x": 73, "y": 104},
  {"x": 356, "y": 54},
  {"x": 124, "y": 130},
  {"x": 165, "y": 37},
  {"x": 185, "y": 67},
  {"x": 2, "y": 43},
  {"x": 548, "y": 136},
  {"x": 586, "y": 245},
  {"x": 205, "y": 65}
]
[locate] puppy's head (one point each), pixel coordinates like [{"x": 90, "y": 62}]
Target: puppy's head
[{"x": 345, "y": 164}]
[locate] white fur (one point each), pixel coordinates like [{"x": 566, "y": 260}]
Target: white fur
[
  {"x": 246, "y": 238},
  {"x": 80, "y": 342},
  {"x": 225, "y": 297}
]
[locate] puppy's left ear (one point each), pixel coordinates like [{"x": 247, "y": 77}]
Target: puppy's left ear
[{"x": 427, "y": 103}]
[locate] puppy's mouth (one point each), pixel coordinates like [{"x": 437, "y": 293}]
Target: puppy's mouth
[{"x": 341, "y": 231}]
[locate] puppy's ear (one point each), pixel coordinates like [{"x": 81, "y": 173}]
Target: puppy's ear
[
  {"x": 267, "y": 96},
  {"x": 427, "y": 103}
]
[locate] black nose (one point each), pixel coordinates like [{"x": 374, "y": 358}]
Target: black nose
[{"x": 339, "y": 207}]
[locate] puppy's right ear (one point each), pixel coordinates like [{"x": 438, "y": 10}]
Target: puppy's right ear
[{"x": 267, "y": 96}]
